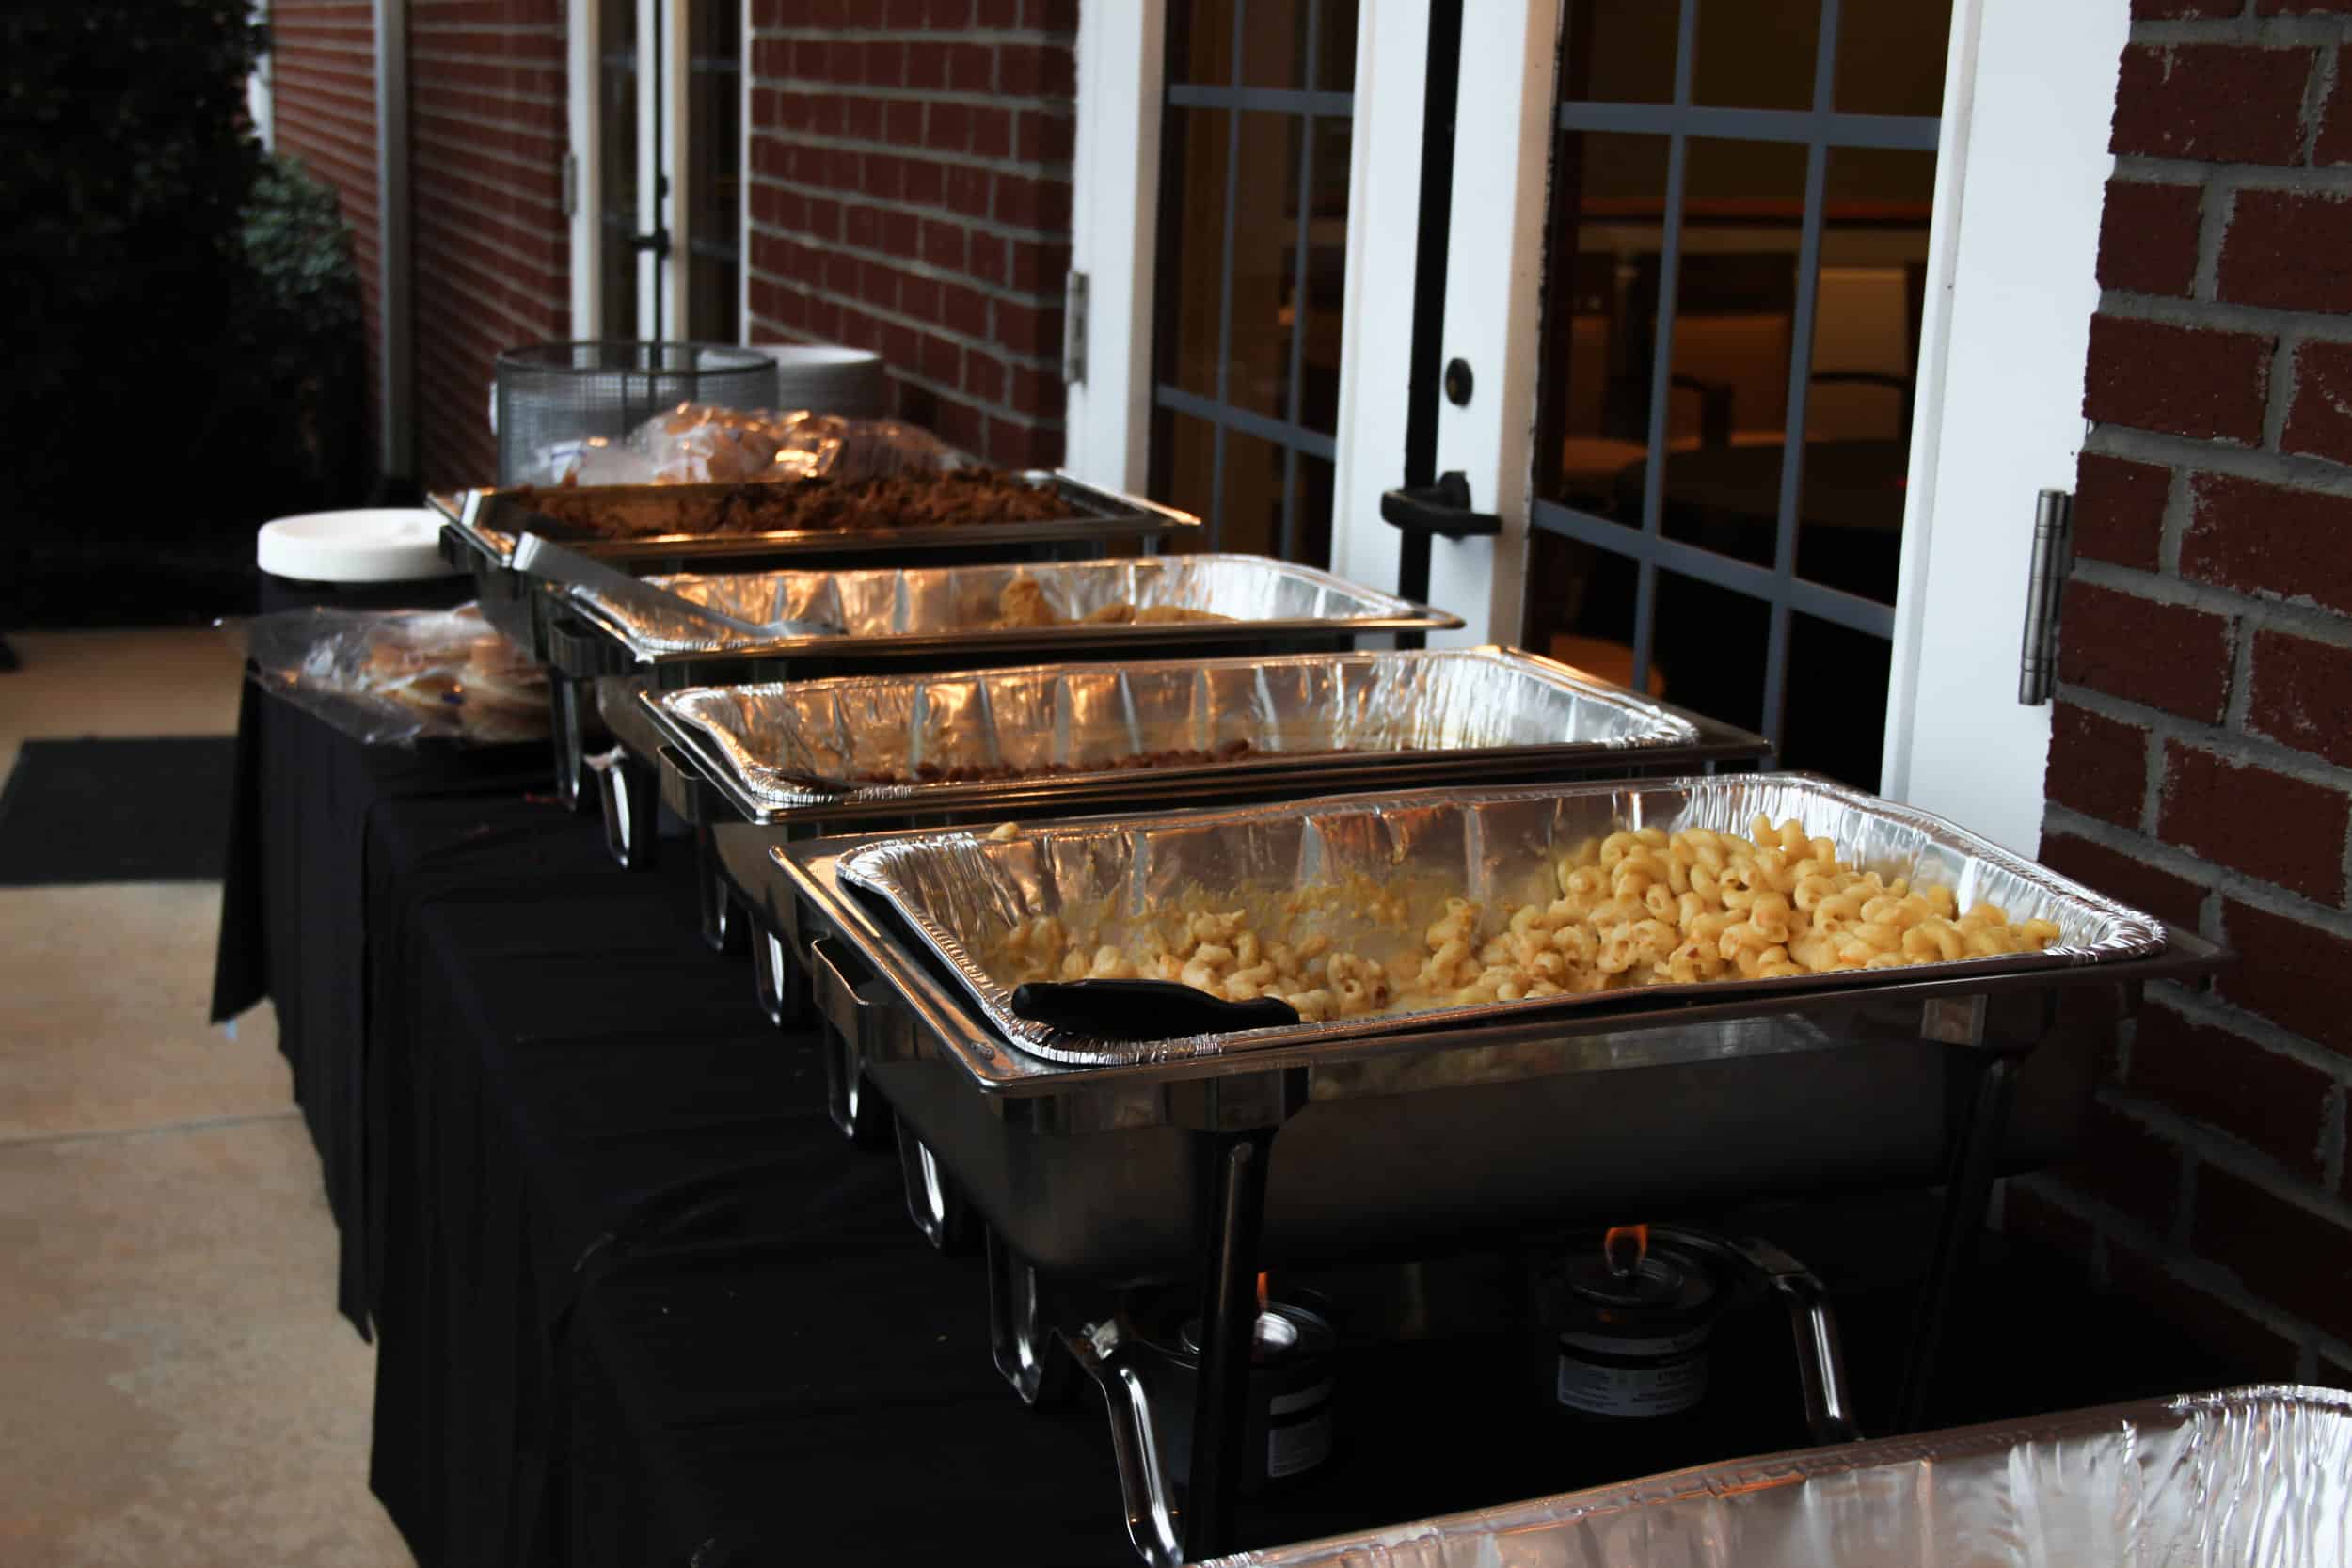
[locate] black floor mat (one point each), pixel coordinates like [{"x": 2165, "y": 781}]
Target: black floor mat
[{"x": 117, "y": 811}]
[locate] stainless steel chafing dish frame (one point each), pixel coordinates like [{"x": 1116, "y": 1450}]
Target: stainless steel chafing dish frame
[
  {"x": 479, "y": 529},
  {"x": 896, "y": 1020},
  {"x": 697, "y": 785},
  {"x": 586, "y": 650}
]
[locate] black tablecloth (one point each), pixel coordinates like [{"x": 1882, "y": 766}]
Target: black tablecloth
[
  {"x": 293, "y": 918},
  {"x": 640, "y": 1304}
]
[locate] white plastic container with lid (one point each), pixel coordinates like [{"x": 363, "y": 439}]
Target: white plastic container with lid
[{"x": 371, "y": 545}]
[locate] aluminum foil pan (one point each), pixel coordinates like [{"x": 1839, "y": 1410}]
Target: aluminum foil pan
[
  {"x": 962, "y": 893},
  {"x": 782, "y": 746},
  {"x": 968, "y": 604},
  {"x": 671, "y": 520},
  {"x": 2249, "y": 1476}
]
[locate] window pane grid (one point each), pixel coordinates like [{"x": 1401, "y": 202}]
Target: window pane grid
[
  {"x": 1595, "y": 250},
  {"x": 1269, "y": 401}
]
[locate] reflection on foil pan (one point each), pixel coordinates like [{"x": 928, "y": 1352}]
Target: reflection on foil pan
[
  {"x": 2257, "y": 1475},
  {"x": 803, "y": 743},
  {"x": 963, "y": 893},
  {"x": 967, "y": 604}
]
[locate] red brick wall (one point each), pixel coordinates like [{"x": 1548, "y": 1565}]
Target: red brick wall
[
  {"x": 323, "y": 103},
  {"x": 2201, "y": 759},
  {"x": 909, "y": 194},
  {"x": 492, "y": 247}
]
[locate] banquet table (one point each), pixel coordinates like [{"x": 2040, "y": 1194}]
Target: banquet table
[
  {"x": 640, "y": 1304},
  {"x": 293, "y": 913}
]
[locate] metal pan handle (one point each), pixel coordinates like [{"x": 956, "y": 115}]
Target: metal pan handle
[{"x": 837, "y": 995}]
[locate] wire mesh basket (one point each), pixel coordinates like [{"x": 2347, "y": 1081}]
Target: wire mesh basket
[{"x": 550, "y": 397}]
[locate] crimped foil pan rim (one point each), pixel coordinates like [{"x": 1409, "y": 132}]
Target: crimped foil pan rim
[
  {"x": 1110, "y": 515},
  {"x": 789, "y": 791},
  {"x": 1399, "y": 1541},
  {"x": 871, "y": 867},
  {"x": 1375, "y": 612}
]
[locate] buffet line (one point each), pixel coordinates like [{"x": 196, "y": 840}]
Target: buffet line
[{"x": 1183, "y": 935}]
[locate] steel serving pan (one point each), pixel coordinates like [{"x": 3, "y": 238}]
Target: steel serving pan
[
  {"x": 481, "y": 527},
  {"x": 774, "y": 749},
  {"x": 488, "y": 523},
  {"x": 2255, "y": 1474},
  {"x": 960, "y": 892},
  {"x": 928, "y": 611}
]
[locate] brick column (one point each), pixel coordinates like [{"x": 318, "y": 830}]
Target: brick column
[
  {"x": 2201, "y": 764},
  {"x": 492, "y": 247},
  {"x": 909, "y": 194}
]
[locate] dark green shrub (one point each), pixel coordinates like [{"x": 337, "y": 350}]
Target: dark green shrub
[
  {"x": 297, "y": 333},
  {"x": 185, "y": 355}
]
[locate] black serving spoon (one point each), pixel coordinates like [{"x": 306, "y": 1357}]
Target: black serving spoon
[{"x": 1143, "y": 1010}]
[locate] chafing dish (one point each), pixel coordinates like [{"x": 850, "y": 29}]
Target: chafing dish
[
  {"x": 1426, "y": 1137},
  {"x": 481, "y": 528},
  {"x": 783, "y": 757},
  {"x": 2242, "y": 1476},
  {"x": 907, "y": 619}
]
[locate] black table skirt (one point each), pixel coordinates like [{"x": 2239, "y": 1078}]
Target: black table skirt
[
  {"x": 642, "y": 1305},
  {"x": 293, "y": 922},
  {"x": 639, "y": 1296}
]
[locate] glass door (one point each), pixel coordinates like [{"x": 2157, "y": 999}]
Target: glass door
[
  {"x": 1736, "y": 265},
  {"x": 1255, "y": 124},
  {"x": 660, "y": 176},
  {"x": 629, "y": 272}
]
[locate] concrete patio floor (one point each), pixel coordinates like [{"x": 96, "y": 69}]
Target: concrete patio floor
[{"x": 175, "y": 1385}]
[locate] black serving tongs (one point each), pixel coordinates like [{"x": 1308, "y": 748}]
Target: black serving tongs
[
  {"x": 544, "y": 558},
  {"x": 1143, "y": 1010}
]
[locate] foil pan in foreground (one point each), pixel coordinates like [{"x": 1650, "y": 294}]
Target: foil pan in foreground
[
  {"x": 963, "y": 893},
  {"x": 786, "y": 745},
  {"x": 2244, "y": 1477},
  {"x": 975, "y": 602}
]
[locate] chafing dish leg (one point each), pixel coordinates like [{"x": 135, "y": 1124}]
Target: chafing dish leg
[
  {"x": 567, "y": 733},
  {"x": 1968, "y": 1188},
  {"x": 934, "y": 1202},
  {"x": 1025, "y": 1348},
  {"x": 1228, "y": 1318},
  {"x": 624, "y": 789},
  {"x": 724, "y": 928},
  {"x": 778, "y": 983},
  {"x": 1821, "y": 1354},
  {"x": 848, "y": 1099},
  {"x": 1153, "y": 1513}
]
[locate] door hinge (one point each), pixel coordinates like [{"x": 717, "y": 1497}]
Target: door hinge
[
  {"x": 571, "y": 183},
  {"x": 1073, "y": 331},
  {"x": 2045, "y": 579}
]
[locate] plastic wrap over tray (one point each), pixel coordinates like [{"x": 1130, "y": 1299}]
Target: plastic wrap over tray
[
  {"x": 962, "y": 893},
  {"x": 2248, "y": 1478},
  {"x": 872, "y": 737},
  {"x": 971, "y": 602}
]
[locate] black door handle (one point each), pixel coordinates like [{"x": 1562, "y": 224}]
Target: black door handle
[
  {"x": 1442, "y": 508},
  {"x": 657, "y": 242}
]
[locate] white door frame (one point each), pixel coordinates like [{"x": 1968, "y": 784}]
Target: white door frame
[
  {"x": 584, "y": 36},
  {"x": 2020, "y": 181},
  {"x": 1114, "y": 237}
]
